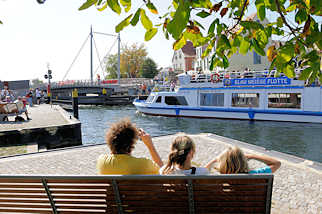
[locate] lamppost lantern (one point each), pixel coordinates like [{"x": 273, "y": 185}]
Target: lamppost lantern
[
  {"x": 46, "y": 76},
  {"x": 49, "y": 72}
]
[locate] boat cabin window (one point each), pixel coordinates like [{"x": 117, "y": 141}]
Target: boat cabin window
[
  {"x": 245, "y": 100},
  {"x": 176, "y": 100},
  {"x": 284, "y": 100},
  {"x": 150, "y": 99},
  {"x": 159, "y": 99},
  {"x": 212, "y": 99}
]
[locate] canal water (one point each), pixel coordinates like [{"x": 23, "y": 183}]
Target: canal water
[{"x": 299, "y": 139}]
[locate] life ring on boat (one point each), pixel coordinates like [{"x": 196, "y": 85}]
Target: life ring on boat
[{"x": 214, "y": 77}]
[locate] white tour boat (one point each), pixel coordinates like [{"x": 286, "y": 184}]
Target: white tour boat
[{"x": 257, "y": 98}]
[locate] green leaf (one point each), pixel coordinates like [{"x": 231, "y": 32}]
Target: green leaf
[
  {"x": 146, "y": 22},
  {"x": 1, "y": 22},
  {"x": 291, "y": 8},
  {"x": 301, "y": 16},
  {"x": 288, "y": 70},
  {"x": 212, "y": 26},
  {"x": 150, "y": 34},
  {"x": 212, "y": 62},
  {"x": 151, "y": 7},
  {"x": 87, "y": 4},
  {"x": 225, "y": 61},
  {"x": 123, "y": 24},
  {"x": 179, "y": 43},
  {"x": 203, "y": 14},
  {"x": 136, "y": 17},
  {"x": 201, "y": 4},
  {"x": 285, "y": 54},
  {"x": 315, "y": 6},
  {"x": 180, "y": 19},
  {"x": 257, "y": 48},
  {"x": 114, "y": 5},
  {"x": 102, "y": 8},
  {"x": 251, "y": 25},
  {"x": 261, "y": 38},
  {"x": 279, "y": 22},
  {"x": 305, "y": 74},
  {"x": 224, "y": 40},
  {"x": 207, "y": 51},
  {"x": 244, "y": 46},
  {"x": 126, "y": 4},
  {"x": 261, "y": 10}
]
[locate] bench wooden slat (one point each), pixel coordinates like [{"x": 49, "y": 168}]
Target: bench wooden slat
[
  {"x": 14, "y": 185},
  {"x": 20, "y": 195},
  {"x": 26, "y": 205},
  {"x": 65, "y": 211},
  {"x": 78, "y": 186},
  {"x": 23, "y": 210},
  {"x": 20, "y": 190},
  {"x": 52, "y": 181},
  {"x": 21, "y": 180},
  {"x": 230, "y": 181},
  {"x": 65, "y": 196},
  {"x": 77, "y": 191},
  {"x": 24, "y": 200}
]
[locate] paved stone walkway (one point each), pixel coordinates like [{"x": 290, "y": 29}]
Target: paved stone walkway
[
  {"x": 42, "y": 115},
  {"x": 297, "y": 185}
]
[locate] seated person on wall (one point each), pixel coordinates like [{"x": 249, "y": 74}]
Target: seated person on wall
[
  {"x": 179, "y": 162},
  {"x": 121, "y": 138},
  {"x": 233, "y": 161}
]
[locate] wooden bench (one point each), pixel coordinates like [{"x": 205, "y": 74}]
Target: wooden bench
[{"x": 136, "y": 194}]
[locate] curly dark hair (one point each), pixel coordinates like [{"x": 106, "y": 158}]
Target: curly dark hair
[{"x": 122, "y": 136}]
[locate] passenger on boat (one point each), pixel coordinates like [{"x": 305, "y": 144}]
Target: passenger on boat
[
  {"x": 233, "y": 161},
  {"x": 179, "y": 162},
  {"x": 121, "y": 138}
]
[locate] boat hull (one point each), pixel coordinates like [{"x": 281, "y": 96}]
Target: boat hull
[{"x": 240, "y": 114}]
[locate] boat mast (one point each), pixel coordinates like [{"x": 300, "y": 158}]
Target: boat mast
[
  {"x": 91, "y": 35},
  {"x": 118, "y": 58}
]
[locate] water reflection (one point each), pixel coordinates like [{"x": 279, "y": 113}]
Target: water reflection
[{"x": 300, "y": 139}]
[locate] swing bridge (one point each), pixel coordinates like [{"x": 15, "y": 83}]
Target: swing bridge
[{"x": 96, "y": 91}]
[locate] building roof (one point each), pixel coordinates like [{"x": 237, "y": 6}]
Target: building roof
[{"x": 188, "y": 49}]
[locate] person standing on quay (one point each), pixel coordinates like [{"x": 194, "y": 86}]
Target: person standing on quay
[
  {"x": 38, "y": 96},
  {"x": 121, "y": 138}
]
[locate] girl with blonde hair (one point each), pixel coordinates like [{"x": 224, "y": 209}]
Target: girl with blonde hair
[
  {"x": 233, "y": 161},
  {"x": 179, "y": 161}
]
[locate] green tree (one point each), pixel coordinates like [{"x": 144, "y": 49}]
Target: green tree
[
  {"x": 111, "y": 67},
  {"x": 36, "y": 83},
  {"x": 149, "y": 68},
  {"x": 203, "y": 22}
]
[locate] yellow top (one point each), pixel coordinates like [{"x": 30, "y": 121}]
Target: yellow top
[{"x": 122, "y": 164}]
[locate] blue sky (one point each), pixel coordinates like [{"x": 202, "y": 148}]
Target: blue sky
[{"x": 33, "y": 35}]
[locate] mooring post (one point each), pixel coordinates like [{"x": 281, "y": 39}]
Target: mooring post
[{"x": 75, "y": 103}]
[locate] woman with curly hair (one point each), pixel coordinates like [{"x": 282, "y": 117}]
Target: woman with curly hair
[{"x": 121, "y": 138}]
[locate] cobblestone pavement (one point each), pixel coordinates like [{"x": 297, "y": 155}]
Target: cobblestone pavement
[
  {"x": 41, "y": 116},
  {"x": 297, "y": 187}
]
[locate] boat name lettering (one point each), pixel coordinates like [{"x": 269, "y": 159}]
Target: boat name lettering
[{"x": 257, "y": 81}]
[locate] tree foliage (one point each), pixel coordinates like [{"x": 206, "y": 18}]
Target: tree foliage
[
  {"x": 294, "y": 21},
  {"x": 111, "y": 66},
  {"x": 132, "y": 58},
  {"x": 148, "y": 69}
]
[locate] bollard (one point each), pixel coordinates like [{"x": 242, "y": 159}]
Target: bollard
[{"x": 75, "y": 103}]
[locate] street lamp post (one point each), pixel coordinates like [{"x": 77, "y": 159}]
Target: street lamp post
[{"x": 49, "y": 77}]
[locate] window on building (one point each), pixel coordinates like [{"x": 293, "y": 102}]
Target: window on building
[
  {"x": 176, "y": 100},
  {"x": 159, "y": 99},
  {"x": 284, "y": 100},
  {"x": 245, "y": 100},
  {"x": 257, "y": 58},
  {"x": 212, "y": 99}
]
